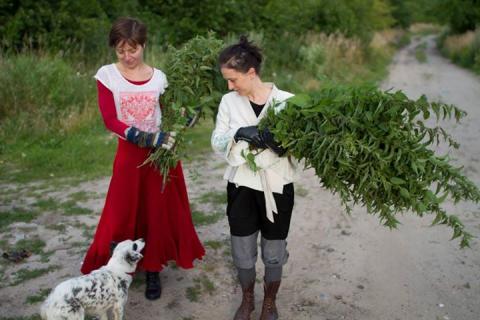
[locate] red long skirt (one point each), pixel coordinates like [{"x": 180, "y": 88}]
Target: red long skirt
[{"x": 135, "y": 207}]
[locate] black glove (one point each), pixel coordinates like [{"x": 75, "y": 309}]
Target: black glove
[
  {"x": 269, "y": 140},
  {"x": 251, "y": 135},
  {"x": 144, "y": 139}
]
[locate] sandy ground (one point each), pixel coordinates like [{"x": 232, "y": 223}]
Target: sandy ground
[{"x": 340, "y": 267}]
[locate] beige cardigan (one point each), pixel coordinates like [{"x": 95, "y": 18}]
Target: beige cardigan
[{"x": 273, "y": 171}]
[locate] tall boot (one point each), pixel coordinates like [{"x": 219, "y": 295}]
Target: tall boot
[
  {"x": 153, "y": 288},
  {"x": 269, "y": 309},
  {"x": 248, "y": 303}
]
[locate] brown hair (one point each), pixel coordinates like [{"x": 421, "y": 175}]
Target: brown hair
[
  {"x": 241, "y": 56},
  {"x": 128, "y": 30}
]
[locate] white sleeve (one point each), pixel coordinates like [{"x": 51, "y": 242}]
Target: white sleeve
[
  {"x": 164, "y": 81},
  {"x": 103, "y": 77},
  {"x": 222, "y": 134}
]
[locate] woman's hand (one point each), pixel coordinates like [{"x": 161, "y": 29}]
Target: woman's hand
[
  {"x": 159, "y": 139},
  {"x": 251, "y": 135}
]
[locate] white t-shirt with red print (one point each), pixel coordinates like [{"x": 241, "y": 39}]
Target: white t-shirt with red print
[{"x": 136, "y": 105}]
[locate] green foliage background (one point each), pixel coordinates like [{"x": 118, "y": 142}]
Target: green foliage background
[{"x": 50, "y": 49}]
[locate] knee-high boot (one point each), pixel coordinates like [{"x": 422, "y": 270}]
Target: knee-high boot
[
  {"x": 269, "y": 309},
  {"x": 248, "y": 302}
]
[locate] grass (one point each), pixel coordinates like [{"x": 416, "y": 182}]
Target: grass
[
  {"x": 68, "y": 208},
  {"x": 60, "y": 227},
  {"x": 23, "y": 275},
  {"x": 202, "y": 285},
  {"x": 32, "y": 317},
  {"x": 420, "y": 52},
  {"x": 38, "y": 297},
  {"x": 192, "y": 293},
  {"x": 201, "y": 219},
  {"x": 16, "y": 215},
  {"x": 81, "y": 196},
  {"x": 214, "y": 244},
  {"x": 462, "y": 49},
  {"x": 301, "y": 191},
  {"x": 34, "y": 246},
  {"x": 86, "y": 153},
  {"x": 214, "y": 197}
]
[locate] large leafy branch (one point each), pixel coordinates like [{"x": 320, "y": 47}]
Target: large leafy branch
[
  {"x": 195, "y": 86},
  {"x": 373, "y": 148}
]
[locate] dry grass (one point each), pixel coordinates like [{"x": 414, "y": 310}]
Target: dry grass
[
  {"x": 457, "y": 43},
  {"x": 80, "y": 117},
  {"x": 329, "y": 53},
  {"x": 385, "y": 38},
  {"x": 425, "y": 28}
]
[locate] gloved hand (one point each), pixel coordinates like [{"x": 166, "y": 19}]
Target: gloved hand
[
  {"x": 192, "y": 118},
  {"x": 251, "y": 135},
  {"x": 269, "y": 140},
  {"x": 144, "y": 139}
]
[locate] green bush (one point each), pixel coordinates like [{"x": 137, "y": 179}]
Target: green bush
[{"x": 45, "y": 86}]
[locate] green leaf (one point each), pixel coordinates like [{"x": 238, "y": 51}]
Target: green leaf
[
  {"x": 397, "y": 181},
  {"x": 301, "y": 100},
  {"x": 404, "y": 193}
]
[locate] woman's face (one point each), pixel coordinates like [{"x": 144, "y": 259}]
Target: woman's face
[
  {"x": 129, "y": 56},
  {"x": 238, "y": 81}
]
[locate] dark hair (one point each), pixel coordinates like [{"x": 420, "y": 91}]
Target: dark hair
[
  {"x": 241, "y": 56},
  {"x": 127, "y": 29}
]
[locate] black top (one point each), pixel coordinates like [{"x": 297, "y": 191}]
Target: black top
[{"x": 257, "y": 108}]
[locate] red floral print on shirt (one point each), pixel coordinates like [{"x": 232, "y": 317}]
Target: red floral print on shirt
[{"x": 140, "y": 109}]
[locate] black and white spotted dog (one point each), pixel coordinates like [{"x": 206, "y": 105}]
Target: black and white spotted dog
[{"x": 99, "y": 292}]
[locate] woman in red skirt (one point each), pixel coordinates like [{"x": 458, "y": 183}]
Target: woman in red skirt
[{"x": 135, "y": 207}]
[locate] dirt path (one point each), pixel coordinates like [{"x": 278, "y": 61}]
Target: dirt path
[{"x": 340, "y": 267}]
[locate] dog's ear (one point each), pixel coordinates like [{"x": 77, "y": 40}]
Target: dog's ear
[{"x": 113, "y": 245}]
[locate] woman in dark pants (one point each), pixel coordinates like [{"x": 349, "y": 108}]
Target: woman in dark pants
[{"x": 260, "y": 201}]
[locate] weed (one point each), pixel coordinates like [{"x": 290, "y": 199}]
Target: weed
[
  {"x": 38, "y": 297},
  {"x": 71, "y": 209},
  {"x": 44, "y": 256},
  {"x": 201, "y": 219},
  {"x": 32, "y": 317},
  {"x": 301, "y": 191},
  {"x": 420, "y": 53},
  {"x": 214, "y": 197},
  {"x": 23, "y": 275},
  {"x": 214, "y": 244},
  {"x": 60, "y": 227},
  {"x": 16, "y": 215},
  {"x": 35, "y": 245},
  {"x": 192, "y": 293},
  {"x": 204, "y": 283},
  {"x": 138, "y": 281},
  {"x": 81, "y": 196},
  {"x": 49, "y": 204}
]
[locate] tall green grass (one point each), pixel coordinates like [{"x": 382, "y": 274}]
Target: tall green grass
[{"x": 462, "y": 49}]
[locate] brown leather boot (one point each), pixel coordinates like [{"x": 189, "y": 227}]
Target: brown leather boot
[
  {"x": 269, "y": 309},
  {"x": 248, "y": 303}
]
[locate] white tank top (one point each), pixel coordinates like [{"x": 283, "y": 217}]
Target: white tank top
[{"x": 136, "y": 105}]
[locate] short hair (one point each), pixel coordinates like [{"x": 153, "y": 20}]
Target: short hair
[
  {"x": 129, "y": 30},
  {"x": 241, "y": 56}
]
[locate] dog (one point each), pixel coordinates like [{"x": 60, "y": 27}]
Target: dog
[{"x": 98, "y": 292}]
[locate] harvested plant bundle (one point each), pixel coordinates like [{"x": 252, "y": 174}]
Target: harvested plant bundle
[
  {"x": 194, "y": 85},
  {"x": 373, "y": 148}
]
